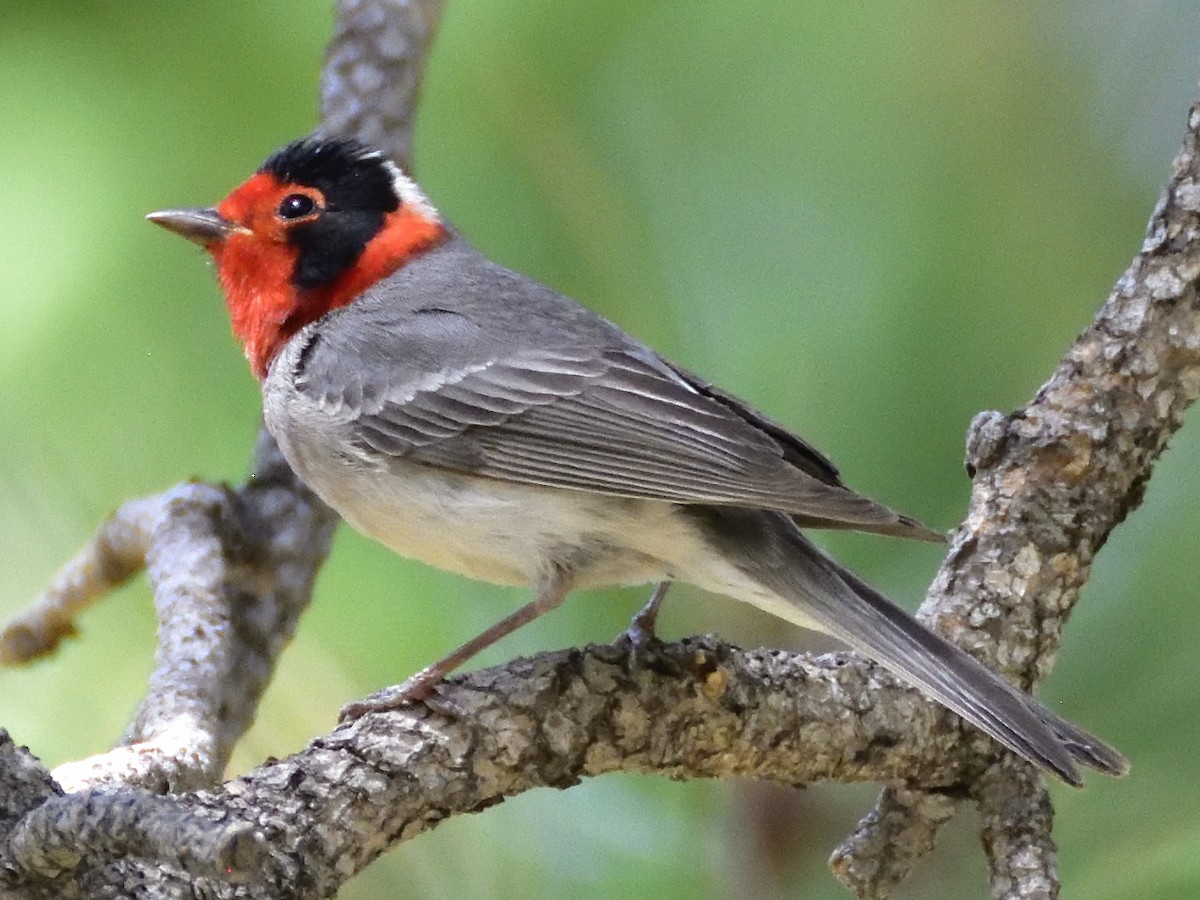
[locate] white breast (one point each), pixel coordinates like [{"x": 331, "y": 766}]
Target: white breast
[{"x": 484, "y": 528}]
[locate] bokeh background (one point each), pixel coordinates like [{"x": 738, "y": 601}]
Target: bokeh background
[{"x": 873, "y": 220}]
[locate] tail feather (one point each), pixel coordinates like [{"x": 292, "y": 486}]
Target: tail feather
[
  {"x": 771, "y": 550},
  {"x": 1086, "y": 748},
  {"x": 959, "y": 681},
  {"x": 897, "y": 525}
]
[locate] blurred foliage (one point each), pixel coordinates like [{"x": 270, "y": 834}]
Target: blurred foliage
[{"x": 871, "y": 219}]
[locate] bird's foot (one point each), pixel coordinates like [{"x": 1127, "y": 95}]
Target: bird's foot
[
  {"x": 420, "y": 688},
  {"x": 640, "y": 633}
]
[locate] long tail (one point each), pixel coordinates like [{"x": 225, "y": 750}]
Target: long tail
[{"x": 771, "y": 551}]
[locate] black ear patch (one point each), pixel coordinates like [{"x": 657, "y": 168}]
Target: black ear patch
[
  {"x": 358, "y": 185},
  {"x": 330, "y": 245}
]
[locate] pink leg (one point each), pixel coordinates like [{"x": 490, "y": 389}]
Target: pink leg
[
  {"x": 641, "y": 627},
  {"x": 418, "y": 687}
]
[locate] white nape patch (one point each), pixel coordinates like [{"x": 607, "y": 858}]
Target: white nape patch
[{"x": 410, "y": 195}]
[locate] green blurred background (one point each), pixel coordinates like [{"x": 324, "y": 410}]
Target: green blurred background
[{"x": 873, "y": 220}]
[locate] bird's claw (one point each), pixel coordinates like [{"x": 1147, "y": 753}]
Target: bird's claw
[
  {"x": 420, "y": 688},
  {"x": 640, "y": 633}
]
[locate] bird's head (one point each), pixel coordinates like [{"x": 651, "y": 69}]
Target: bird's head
[{"x": 321, "y": 221}]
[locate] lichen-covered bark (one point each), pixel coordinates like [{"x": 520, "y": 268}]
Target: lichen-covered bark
[
  {"x": 301, "y": 826},
  {"x": 1052, "y": 479}
]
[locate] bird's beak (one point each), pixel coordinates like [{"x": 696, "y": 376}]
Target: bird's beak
[{"x": 200, "y": 224}]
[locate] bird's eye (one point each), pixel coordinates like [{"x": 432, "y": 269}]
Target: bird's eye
[{"x": 296, "y": 206}]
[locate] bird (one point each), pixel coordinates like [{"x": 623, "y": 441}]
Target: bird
[{"x": 474, "y": 419}]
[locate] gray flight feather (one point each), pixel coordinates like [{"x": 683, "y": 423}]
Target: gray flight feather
[
  {"x": 458, "y": 363},
  {"x": 771, "y": 550}
]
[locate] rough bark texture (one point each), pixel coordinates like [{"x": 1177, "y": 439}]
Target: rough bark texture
[
  {"x": 303, "y": 825},
  {"x": 1052, "y": 479},
  {"x": 373, "y": 67},
  {"x": 231, "y": 571}
]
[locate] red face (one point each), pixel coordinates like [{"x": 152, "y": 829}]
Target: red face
[
  {"x": 255, "y": 265},
  {"x": 320, "y": 223}
]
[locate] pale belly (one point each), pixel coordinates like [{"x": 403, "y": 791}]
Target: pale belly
[
  {"x": 516, "y": 534},
  {"x": 503, "y": 532}
]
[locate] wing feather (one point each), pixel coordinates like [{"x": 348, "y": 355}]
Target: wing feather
[
  {"x": 595, "y": 412},
  {"x": 608, "y": 422}
]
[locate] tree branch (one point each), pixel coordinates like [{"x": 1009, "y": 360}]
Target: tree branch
[
  {"x": 373, "y": 67},
  {"x": 697, "y": 709},
  {"x": 230, "y": 571},
  {"x": 1052, "y": 479}
]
